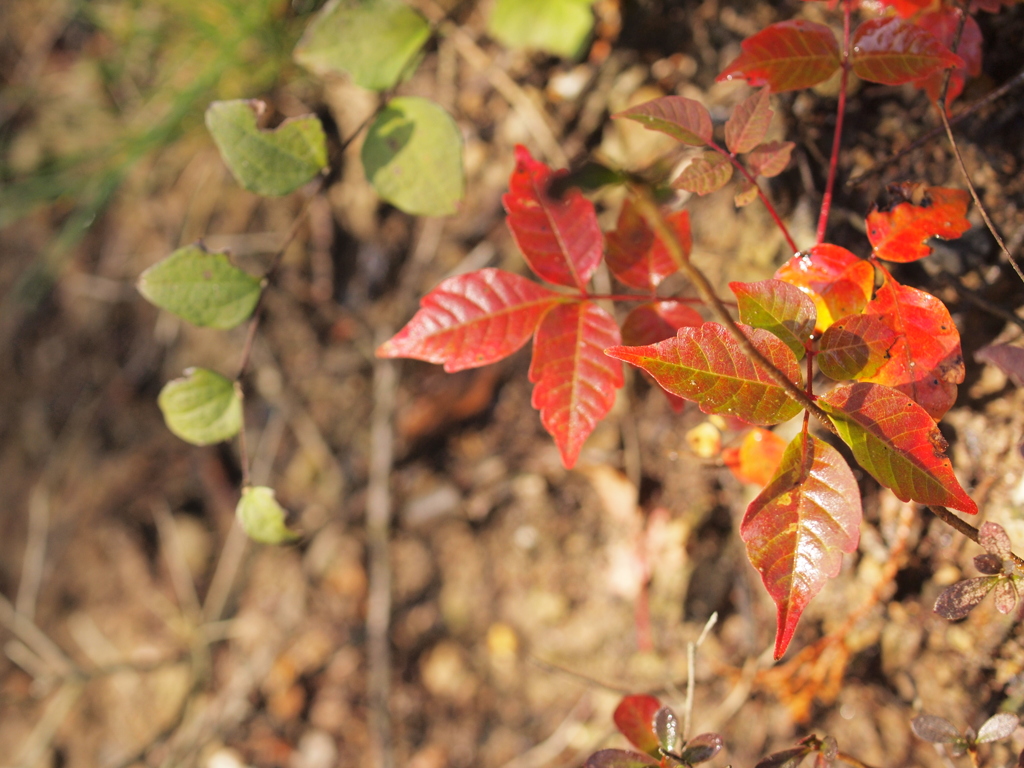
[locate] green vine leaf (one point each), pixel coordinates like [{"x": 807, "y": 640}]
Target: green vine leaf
[
  {"x": 266, "y": 162},
  {"x": 205, "y": 289},
  {"x": 202, "y": 408},
  {"x": 413, "y": 157},
  {"x": 372, "y": 41},
  {"x": 262, "y": 518},
  {"x": 560, "y": 27}
]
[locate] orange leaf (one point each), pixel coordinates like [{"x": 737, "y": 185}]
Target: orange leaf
[
  {"x": 898, "y": 231},
  {"x": 757, "y": 458},
  {"x": 838, "y": 282},
  {"x": 786, "y": 56}
]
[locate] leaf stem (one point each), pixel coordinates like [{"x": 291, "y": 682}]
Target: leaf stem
[
  {"x": 760, "y": 193},
  {"x": 652, "y": 214},
  {"x": 968, "y": 530},
  {"x": 833, "y": 163}
]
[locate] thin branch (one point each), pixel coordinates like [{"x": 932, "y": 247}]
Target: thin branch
[
  {"x": 967, "y": 530},
  {"x": 652, "y": 214},
  {"x": 833, "y": 164}
]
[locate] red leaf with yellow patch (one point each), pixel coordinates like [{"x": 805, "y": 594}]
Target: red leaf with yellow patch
[
  {"x": 786, "y": 56},
  {"x": 560, "y": 239},
  {"x": 925, "y": 362},
  {"x": 575, "y": 380},
  {"x": 899, "y": 230},
  {"x": 798, "y": 527},
  {"x": 838, "y": 282},
  {"x": 897, "y": 442}
]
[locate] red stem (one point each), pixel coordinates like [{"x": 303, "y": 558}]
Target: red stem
[
  {"x": 760, "y": 193},
  {"x": 833, "y": 163}
]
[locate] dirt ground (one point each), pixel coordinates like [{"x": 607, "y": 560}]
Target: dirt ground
[{"x": 140, "y": 629}]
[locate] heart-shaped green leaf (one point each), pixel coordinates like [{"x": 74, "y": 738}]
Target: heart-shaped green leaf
[
  {"x": 266, "y": 162},
  {"x": 205, "y": 289},
  {"x": 202, "y": 408},
  {"x": 372, "y": 41},
  {"x": 262, "y": 518},
  {"x": 413, "y": 157}
]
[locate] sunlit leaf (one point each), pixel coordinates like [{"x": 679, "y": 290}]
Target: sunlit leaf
[
  {"x": 683, "y": 119},
  {"x": 892, "y": 51},
  {"x": 205, "y": 289},
  {"x": 897, "y": 442},
  {"x": 657, "y": 321},
  {"x": 575, "y": 381},
  {"x": 1005, "y": 357},
  {"x": 899, "y": 232},
  {"x": 560, "y": 27},
  {"x": 473, "y": 319},
  {"x": 855, "y": 347},
  {"x": 786, "y": 56},
  {"x": 944, "y": 24},
  {"x": 935, "y": 729},
  {"x": 373, "y": 41},
  {"x": 413, "y": 157},
  {"x": 635, "y": 256},
  {"x": 262, "y": 518},
  {"x": 202, "y": 408},
  {"x": 957, "y": 600},
  {"x": 705, "y": 174},
  {"x": 560, "y": 239},
  {"x": 748, "y": 123},
  {"x": 925, "y": 361},
  {"x": 618, "y": 758},
  {"x": 634, "y": 717},
  {"x": 778, "y": 307},
  {"x": 1005, "y": 595},
  {"x": 798, "y": 527},
  {"x": 757, "y": 458},
  {"x": 838, "y": 282},
  {"x": 666, "y": 728},
  {"x": 746, "y": 193},
  {"x": 769, "y": 159},
  {"x": 266, "y": 162},
  {"x": 706, "y": 365},
  {"x": 999, "y": 726},
  {"x": 993, "y": 538},
  {"x": 701, "y": 748}
]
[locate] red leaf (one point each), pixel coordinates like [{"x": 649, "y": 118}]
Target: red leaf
[
  {"x": 895, "y": 440},
  {"x": 943, "y": 24},
  {"x": 798, "y": 527},
  {"x": 560, "y": 239},
  {"x": 906, "y": 8},
  {"x": 575, "y": 380},
  {"x": 705, "y": 174},
  {"x": 683, "y": 119},
  {"x": 472, "y": 320},
  {"x": 707, "y": 366},
  {"x": 634, "y": 717},
  {"x": 786, "y": 56},
  {"x": 838, "y": 282},
  {"x": 925, "y": 362},
  {"x": 657, "y": 321},
  {"x": 769, "y": 159},
  {"x": 778, "y": 307},
  {"x": 635, "y": 257},
  {"x": 757, "y": 458},
  {"x": 898, "y": 232},
  {"x": 749, "y": 122},
  {"x": 855, "y": 347},
  {"x": 892, "y": 51},
  {"x": 1007, "y": 358}
]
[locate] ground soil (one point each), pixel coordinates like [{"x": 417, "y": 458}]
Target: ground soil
[{"x": 148, "y": 632}]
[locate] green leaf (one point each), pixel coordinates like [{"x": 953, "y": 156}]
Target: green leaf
[
  {"x": 413, "y": 157},
  {"x": 202, "y": 408},
  {"x": 780, "y": 308},
  {"x": 266, "y": 162},
  {"x": 560, "y": 27},
  {"x": 372, "y": 41},
  {"x": 896, "y": 441},
  {"x": 205, "y": 289},
  {"x": 262, "y": 518}
]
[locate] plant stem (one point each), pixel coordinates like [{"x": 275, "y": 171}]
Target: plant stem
[
  {"x": 652, "y": 214},
  {"x": 760, "y": 193},
  {"x": 833, "y": 163},
  {"x": 967, "y": 530}
]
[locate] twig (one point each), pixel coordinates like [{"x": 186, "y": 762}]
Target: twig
[
  {"x": 177, "y": 565},
  {"x": 32, "y": 636},
  {"x": 979, "y": 301},
  {"x": 649, "y": 210},
  {"x": 228, "y": 563},
  {"x": 35, "y": 551},
  {"x": 42, "y": 734},
  {"x": 833, "y": 164},
  {"x": 691, "y": 672},
  {"x": 967, "y": 530},
  {"x": 563, "y": 736}
]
